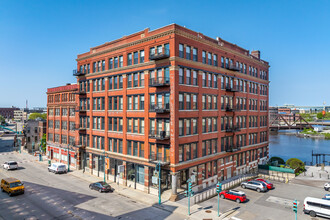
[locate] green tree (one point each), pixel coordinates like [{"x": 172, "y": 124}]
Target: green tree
[
  {"x": 319, "y": 115},
  {"x": 34, "y": 116},
  {"x": 43, "y": 142},
  {"x": 278, "y": 159},
  {"x": 296, "y": 164},
  {"x": 2, "y": 120}
]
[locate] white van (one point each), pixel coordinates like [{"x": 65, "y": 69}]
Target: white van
[
  {"x": 315, "y": 206},
  {"x": 57, "y": 168}
]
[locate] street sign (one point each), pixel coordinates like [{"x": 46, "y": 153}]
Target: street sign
[
  {"x": 121, "y": 168},
  {"x": 154, "y": 180}
]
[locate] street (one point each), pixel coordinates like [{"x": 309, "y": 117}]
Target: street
[{"x": 53, "y": 196}]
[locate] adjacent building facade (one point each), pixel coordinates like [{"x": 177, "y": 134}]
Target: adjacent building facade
[
  {"x": 62, "y": 135},
  {"x": 171, "y": 99}
]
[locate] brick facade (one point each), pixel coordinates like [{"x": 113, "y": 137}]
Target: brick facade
[
  {"x": 62, "y": 133},
  {"x": 196, "y": 106}
]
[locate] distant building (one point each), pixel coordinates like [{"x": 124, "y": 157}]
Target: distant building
[
  {"x": 8, "y": 113},
  {"x": 20, "y": 115},
  {"x": 32, "y": 136}
]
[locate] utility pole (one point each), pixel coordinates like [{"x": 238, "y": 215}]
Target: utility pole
[
  {"x": 68, "y": 159},
  {"x": 159, "y": 184},
  {"x": 104, "y": 165},
  {"x": 219, "y": 188}
]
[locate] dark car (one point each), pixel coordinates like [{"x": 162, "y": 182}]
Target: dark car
[
  {"x": 267, "y": 182},
  {"x": 101, "y": 187},
  {"x": 234, "y": 195}
]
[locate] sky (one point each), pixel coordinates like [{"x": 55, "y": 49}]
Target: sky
[{"x": 40, "y": 40}]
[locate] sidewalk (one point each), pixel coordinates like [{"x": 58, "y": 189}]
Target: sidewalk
[{"x": 197, "y": 212}]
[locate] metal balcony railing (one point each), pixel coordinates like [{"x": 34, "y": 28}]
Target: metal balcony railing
[
  {"x": 160, "y": 108},
  {"x": 232, "y": 108},
  {"x": 233, "y": 148},
  {"x": 232, "y": 88},
  {"x": 159, "y": 135},
  {"x": 156, "y": 157},
  {"x": 232, "y": 67},
  {"x": 78, "y": 73},
  {"x": 159, "y": 81},
  {"x": 165, "y": 53}
]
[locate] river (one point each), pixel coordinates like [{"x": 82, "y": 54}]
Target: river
[{"x": 289, "y": 146}]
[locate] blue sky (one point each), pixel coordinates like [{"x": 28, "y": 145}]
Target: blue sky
[{"x": 40, "y": 40}]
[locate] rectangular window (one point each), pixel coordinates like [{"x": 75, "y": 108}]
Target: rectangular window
[
  {"x": 129, "y": 59},
  {"x": 181, "y": 51},
  {"x": 209, "y": 58},
  {"x": 188, "y": 77},
  {"x": 115, "y": 62},
  {"x": 136, "y": 57},
  {"x": 215, "y": 60},
  {"x": 203, "y": 56},
  {"x": 181, "y": 127},
  {"x": 142, "y": 56},
  {"x": 121, "y": 61},
  {"x": 181, "y": 80},
  {"x": 110, "y": 63},
  {"x": 195, "y": 56},
  {"x": 195, "y": 83},
  {"x": 188, "y": 55}
]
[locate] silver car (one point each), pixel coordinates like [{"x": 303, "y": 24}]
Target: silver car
[{"x": 255, "y": 185}]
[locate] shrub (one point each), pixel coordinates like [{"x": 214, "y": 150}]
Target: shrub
[
  {"x": 278, "y": 159},
  {"x": 296, "y": 164}
]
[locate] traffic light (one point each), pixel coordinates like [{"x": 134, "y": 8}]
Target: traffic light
[
  {"x": 295, "y": 206},
  {"x": 189, "y": 187},
  {"x": 219, "y": 187}
]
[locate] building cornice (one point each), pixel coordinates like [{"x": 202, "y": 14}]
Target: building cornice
[{"x": 143, "y": 40}]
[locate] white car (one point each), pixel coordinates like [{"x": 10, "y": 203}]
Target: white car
[
  {"x": 57, "y": 168},
  {"x": 10, "y": 165},
  {"x": 327, "y": 186}
]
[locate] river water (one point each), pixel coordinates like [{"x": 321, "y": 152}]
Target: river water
[{"x": 288, "y": 146}]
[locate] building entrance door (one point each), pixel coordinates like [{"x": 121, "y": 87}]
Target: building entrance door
[
  {"x": 183, "y": 178},
  {"x": 51, "y": 154}
]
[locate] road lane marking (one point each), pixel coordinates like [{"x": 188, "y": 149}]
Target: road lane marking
[{"x": 280, "y": 201}]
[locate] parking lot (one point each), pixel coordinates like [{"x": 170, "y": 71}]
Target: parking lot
[{"x": 274, "y": 204}]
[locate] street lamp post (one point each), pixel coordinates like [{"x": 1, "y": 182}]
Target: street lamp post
[
  {"x": 104, "y": 165},
  {"x": 68, "y": 159},
  {"x": 159, "y": 184}
]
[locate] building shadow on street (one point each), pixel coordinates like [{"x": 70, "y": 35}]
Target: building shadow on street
[{"x": 45, "y": 202}]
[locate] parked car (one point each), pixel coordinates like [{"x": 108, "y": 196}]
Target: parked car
[
  {"x": 267, "y": 182},
  {"x": 255, "y": 185},
  {"x": 326, "y": 197},
  {"x": 235, "y": 195},
  {"x": 57, "y": 168},
  {"x": 10, "y": 165},
  {"x": 327, "y": 186},
  {"x": 12, "y": 186},
  {"x": 101, "y": 187}
]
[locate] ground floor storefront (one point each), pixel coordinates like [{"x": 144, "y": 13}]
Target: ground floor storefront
[
  {"x": 64, "y": 154},
  {"x": 144, "y": 175}
]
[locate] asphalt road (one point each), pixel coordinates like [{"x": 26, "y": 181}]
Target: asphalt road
[
  {"x": 273, "y": 205},
  {"x": 53, "y": 196}
]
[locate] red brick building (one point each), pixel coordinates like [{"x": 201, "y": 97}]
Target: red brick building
[
  {"x": 172, "y": 96},
  {"x": 62, "y": 135}
]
